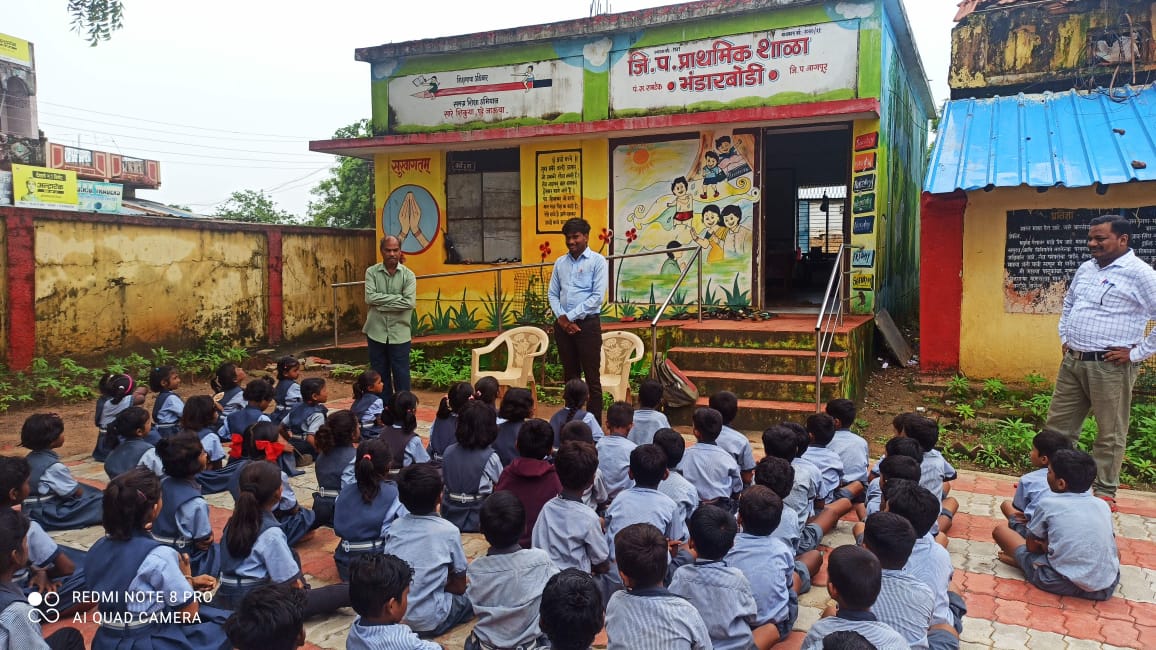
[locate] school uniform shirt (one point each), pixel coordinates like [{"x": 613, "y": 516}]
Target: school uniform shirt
[
  {"x": 270, "y": 558},
  {"x": 159, "y": 573},
  {"x": 852, "y": 448},
  {"x": 934, "y": 470},
  {"x": 235, "y": 403},
  {"x": 768, "y": 563},
  {"x": 830, "y": 469},
  {"x": 646, "y": 423},
  {"x": 18, "y": 626},
  {"x": 596, "y": 495},
  {"x": 723, "y": 598},
  {"x": 506, "y": 592},
  {"x": 1081, "y": 540},
  {"x": 905, "y": 604},
  {"x": 874, "y": 496},
  {"x": 433, "y": 547},
  {"x": 880, "y": 635},
  {"x": 681, "y": 492},
  {"x": 805, "y": 489},
  {"x": 644, "y": 506},
  {"x": 931, "y": 563},
  {"x": 654, "y": 619},
  {"x": 737, "y": 445},
  {"x": 614, "y": 461},
  {"x": 711, "y": 470},
  {"x": 288, "y": 496},
  {"x": 1031, "y": 487},
  {"x": 211, "y": 443},
  {"x": 788, "y": 529},
  {"x": 42, "y": 549},
  {"x": 170, "y": 412},
  {"x": 58, "y": 480},
  {"x": 571, "y": 534},
  {"x": 150, "y": 460},
  {"x": 193, "y": 519},
  {"x": 385, "y": 636}
]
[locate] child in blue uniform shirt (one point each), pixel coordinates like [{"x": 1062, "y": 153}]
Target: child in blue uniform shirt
[
  {"x": 730, "y": 439},
  {"x": 568, "y": 530},
  {"x": 128, "y": 435},
  {"x": 935, "y": 472},
  {"x": 571, "y": 613},
  {"x": 674, "y": 485},
  {"x": 336, "y": 441},
  {"x": 183, "y": 521},
  {"x": 647, "y": 418},
  {"x": 852, "y": 449},
  {"x": 287, "y": 393},
  {"x": 168, "y": 406},
  {"x": 58, "y": 501},
  {"x": 365, "y": 510},
  {"x": 199, "y": 418},
  {"x": 780, "y": 442},
  {"x": 821, "y": 429},
  {"x": 574, "y": 395},
  {"x": 768, "y": 563},
  {"x": 117, "y": 392},
  {"x": 271, "y": 617},
  {"x": 367, "y": 403},
  {"x": 443, "y": 432},
  {"x": 855, "y": 578},
  {"x": 303, "y": 420},
  {"x": 777, "y": 475},
  {"x": 615, "y": 447},
  {"x": 710, "y": 468},
  {"x": 470, "y": 467},
  {"x": 379, "y": 592},
  {"x": 517, "y": 407},
  {"x": 400, "y": 431},
  {"x": 227, "y": 381},
  {"x": 261, "y": 443},
  {"x": 1033, "y": 485},
  {"x": 19, "y": 626},
  {"x": 904, "y": 602},
  {"x": 643, "y": 503}
]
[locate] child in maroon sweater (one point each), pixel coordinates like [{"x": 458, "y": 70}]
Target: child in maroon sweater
[{"x": 530, "y": 476}]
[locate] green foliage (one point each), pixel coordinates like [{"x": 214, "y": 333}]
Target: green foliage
[
  {"x": 995, "y": 388},
  {"x": 253, "y": 206},
  {"x": 678, "y": 304},
  {"x": 496, "y": 312},
  {"x": 965, "y": 411},
  {"x": 440, "y": 319},
  {"x": 347, "y": 371},
  {"x": 627, "y": 310},
  {"x": 989, "y": 455},
  {"x": 96, "y": 20},
  {"x": 464, "y": 319},
  {"x": 861, "y": 424},
  {"x": 419, "y": 325},
  {"x": 737, "y": 298},
  {"x": 1038, "y": 404},
  {"x": 708, "y": 296},
  {"x": 212, "y": 352},
  {"x": 535, "y": 305},
  {"x": 441, "y": 373},
  {"x": 650, "y": 310},
  {"x": 345, "y": 199},
  {"x": 958, "y": 386},
  {"x": 1037, "y": 382}
]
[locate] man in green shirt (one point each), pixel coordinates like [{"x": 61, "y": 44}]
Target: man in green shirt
[{"x": 391, "y": 292}]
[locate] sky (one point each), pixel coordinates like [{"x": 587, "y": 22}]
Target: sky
[{"x": 227, "y": 94}]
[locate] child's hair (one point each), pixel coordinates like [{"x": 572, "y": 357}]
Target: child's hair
[
  {"x": 271, "y": 617},
  {"x": 899, "y": 422},
  {"x": 181, "y": 454},
  {"x": 200, "y": 412},
  {"x": 128, "y": 502},
  {"x": 898, "y": 466},
  {"x": 517, "y": 405},
  {"x": 802, "y": 438},
  {"x": 713, "y": 531},
  {"x": 503, "y": 519},
  {"x": 159, "y": 376},
  {"x": 576, "y": 431},
  {"x": 225, "y": 378},
  {"x": 311, "y": 388},
  {"x": 14, "y": 472},
  {"x": 257, "y": 391},
  {"x": 419, "y": 487},
  {"x": 402, "y": 411},
  {"x": 1077, "y": 468},
  {"x": 258, "y": 431},
  {"x": 576, "y": 462},
  {"x": 374, "y": 580},
  {"x": 642, "y": 554},
  {"x": 650, "y": 394},
  {"x": 890, "y": 537},
  {"x": 821, "y": 427},
  {"x": 374, "y": 459},
  {"x": 574, "y": 395},
  {"x": 923, "y": 430},
  {"x": 900, "y": 446},
  {"x": 338, "y": 431},
  {"x": 535, "y": 438},
  {"x": 259, "y": 482},
  {"x": 727, "y": 405},
  {"x": 571, "y": 611},
  {"x": 708, "y": 423},
  {"x": 843, "y": 410},
  {"x": 1049, "y": 441},
  {"x": 775, "y": 473},
  {"x": 761, "y": 509},
  {"x": 456, "y": 397},
  {"x": 40, "y": 430},
  {"x": 286, "y": 364},
  {"x": 857, "y": 574},
  {"x": 779, "y": 442},
  {"x": 127, "y": 424},
  {"x": 648, "y": 465},
  {"x": 681, "y": 180},
  {"x": 116, "y": 386},
  {"x": 364, "y": 381},
  {"x": 14, "y": 526},
  {"x": 671, "y": 444},
  {"x": 721, "y": 139},
  {"x": 486, "y": 390},
  {"x": 913, "y": 502},
  {"x": 477, "y": 426},
  {"x": 620, "y": 415},
  {"x": 846, "y": 640}
]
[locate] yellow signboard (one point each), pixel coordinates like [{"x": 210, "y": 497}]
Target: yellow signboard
[
  {"x": 39, "y": 187},
  {"x": 15, "y": 50}
]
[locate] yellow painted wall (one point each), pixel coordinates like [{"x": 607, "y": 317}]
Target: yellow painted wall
[
  {"x": 998, "y": 344},
  {"x": 311, "y": 262}
]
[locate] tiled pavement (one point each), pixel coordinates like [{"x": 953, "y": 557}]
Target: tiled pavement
[{"x": 1004, "y": 611}]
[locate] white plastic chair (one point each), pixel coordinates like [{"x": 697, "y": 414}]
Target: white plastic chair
[
  {"x": 522, "y": 345},
  {"x": 620, "y": 349}
]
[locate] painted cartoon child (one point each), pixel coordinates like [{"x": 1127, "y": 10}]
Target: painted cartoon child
[
  {"x": 683, "y": 202},
  {"x": 729, "y": 158},
  {"x": 673, "y": 264},
  {"x": 433, "y": 86},
  {"x": 712, "y": 175},
  {"x": 737, "y": 240},
  {"x": 528, "y": 78},
  {"x": 712, "y": 236}
]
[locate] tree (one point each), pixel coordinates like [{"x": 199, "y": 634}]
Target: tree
[
  {"x": 253, "y": 206},
  {"x": 96, "y": 19},
  {"x": 345, "y": 199}
]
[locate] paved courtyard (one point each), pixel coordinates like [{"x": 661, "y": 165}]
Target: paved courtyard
[{"x": 1004, "y": 611}]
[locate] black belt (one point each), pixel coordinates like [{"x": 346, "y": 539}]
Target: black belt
[{"x": 1088, "y": 356}]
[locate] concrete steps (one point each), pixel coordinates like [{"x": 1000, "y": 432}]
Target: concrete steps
[{"x": 758, "y": 360}]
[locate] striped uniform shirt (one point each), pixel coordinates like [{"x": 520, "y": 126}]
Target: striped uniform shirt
[
  {"x": 614, "y": 461},
  {"x": 737, "y": 445},
  {"x": 768, "y": 562},
  {"x": 711, "y": 470},
  {"x": 1110, "y": 306},
  {"x": 571, "y": 534},
  {"x": 681, "y": 492},
  {"x": 931, "y": 563},
  {"x": 905, "y": 604},
  {"x": 1031, "y": 487},
  {"x": 723, "y": 597},
  {"x": 804, "y": 491},
  {"x": 385, "y": 636},
  {"x": 880, "y": 635},
  {"x": 654, "y": 619},
  {"x": 17, "y": 629},
  {"x": 852, "y": 448}
]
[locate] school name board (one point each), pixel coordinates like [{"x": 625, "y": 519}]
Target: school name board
[
  {"x": 1045, "y": 247},
  {"x": 559, "y": 179},
  {"x": 808, "y": 61}
]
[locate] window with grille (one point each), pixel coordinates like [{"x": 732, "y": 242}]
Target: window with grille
[{"x": 484, "y": 205}]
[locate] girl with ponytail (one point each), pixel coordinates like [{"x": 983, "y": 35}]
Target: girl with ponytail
[
  {"x": 367, "y": 404},
  {"x": 574, "y": 394},
  {"x": 365, "y": 510},
  {"x": 401, "y": 431},
  {"x": 442, "y": 433},
  {"x": 335, "y": 440},
  {"x": 261, "y": 443},
  {"x": 129, "y": 431},
  {"x": 117, "y": 392}
]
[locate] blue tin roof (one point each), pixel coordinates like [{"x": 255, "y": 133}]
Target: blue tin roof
[{"x": 1073, "y": 139}]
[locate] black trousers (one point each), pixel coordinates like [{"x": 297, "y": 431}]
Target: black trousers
[
  {"x": 581, "y": 354},
  {"x": 66, "y": 638}
]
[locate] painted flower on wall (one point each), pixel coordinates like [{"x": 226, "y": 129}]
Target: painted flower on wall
[
  {"x": 605, "y": 236},
  {"x": 544, "y": 249}
]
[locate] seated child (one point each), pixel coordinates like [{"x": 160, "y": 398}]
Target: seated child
[
  {"x": 379, "y": 592},
  {"x": 1033, "y": 485},
  {"x": 935, "y": 471},
  {"x": 710, "y": 468},
  {"x": 168, "y": 406},
  {"x": 530, "y": 476},
  {"x": 643, "y": 503},
  {"x": 768, "y": 563},
  {"x": 567, "y": 530},
  {"x": 336, "y": 444},
  {"x": 505, "y": 585},
  {"x": 258, "y": 396},
  {"x": 433, "y": 547},
  {"x": 486, "y": 391},
  {"x": 366, "y": 510},
  {"x": 851, "y": 447},
  {"x": 199, "y": 417},
  {"x": 671, "y": 622},
  {"x": 595, "y": 496},
  {"x": 778, "y": 475},
  {"x": 571, "y": 612},
  {"x": 615, "y": 447},
  {"x": 261, "y": 443},
  {"x": 400, "y": 431},
  {"x": 854, "y": 577},
  {"x": 1070, "y": 549},
  {"x": 19, "y": 623},
  {"x": 674, "y": 485},
  {"x": 780, "y": 442},
  {"x": 227, "y": 381},
  {"x": 271, "y": 617},
  {"x": 647, "y": 418},
  {"x": 58, "y": 501},
  {"x": 287, "y": 392},
  {"x": 183, "y": 522},
  {"x": 821, "y": 429},
  {"x": 731, "y": 440},
  {"x": 368, "y": 406},
  {"x": 117, "y": 392},
  {"x": 894, "y": 466},
  {"x": 127, "y": 438},
  {"x": 443, "y": 432},
  {"x": 517, "y": 407},
  {"x": 904, "y": 602},
  {"x": 574, "y": 394},
  {"x": 470, "y": 467},
  {"x": 303, "y": 421}
]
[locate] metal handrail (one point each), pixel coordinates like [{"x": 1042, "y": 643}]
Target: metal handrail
[
  {"x": 697, "y": 261},
  {"x": 497, "y": 271},
  {"x": 824, "y": 330}
]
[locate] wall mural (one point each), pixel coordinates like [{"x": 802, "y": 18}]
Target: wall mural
[{"x": 676, "y": 193}]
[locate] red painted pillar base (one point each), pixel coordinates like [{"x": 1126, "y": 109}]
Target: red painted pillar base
[
  {"x": 21, "y": 270},
  {"x": 275, "y": 323},
  {"x": 940, "y": 280}
]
